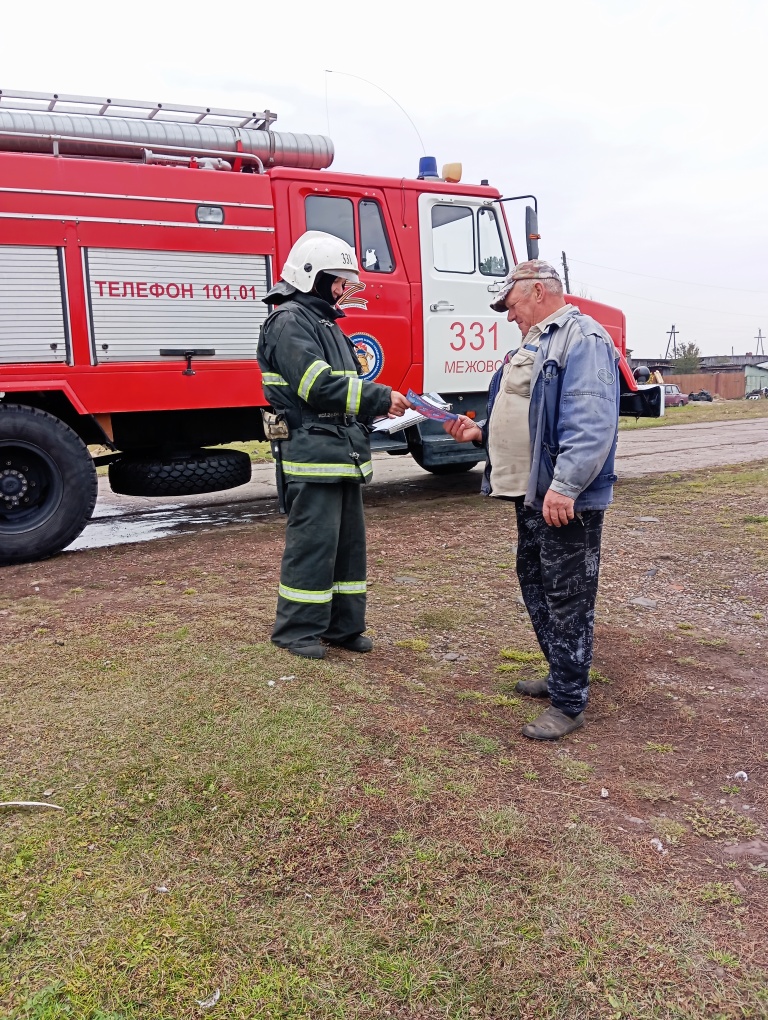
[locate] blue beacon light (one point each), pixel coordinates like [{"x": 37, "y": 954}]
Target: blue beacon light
[{"x": 427, "y": 167}]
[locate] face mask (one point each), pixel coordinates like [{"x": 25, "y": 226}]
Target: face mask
[{"x": 322, "y": 287}]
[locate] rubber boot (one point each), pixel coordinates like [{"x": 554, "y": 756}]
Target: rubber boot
[
  {"x": 553, "y": 724},
  {"x": 355, "y": 644},
  {"x": 310, "y": 650},
  {"x": 538, "y": 688}
]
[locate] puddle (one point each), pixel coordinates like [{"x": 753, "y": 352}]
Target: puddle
[
  {"x": 113, "y": 526},
  {"x": 121, "y": 523}
]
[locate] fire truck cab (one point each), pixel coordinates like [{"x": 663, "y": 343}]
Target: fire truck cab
[{"x": 137, "y": 244}]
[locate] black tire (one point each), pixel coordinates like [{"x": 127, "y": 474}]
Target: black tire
[
  {"x": 201, "y": 471},
  {"x": 457, "y": 467},
  {"x": 48, "y": 484},
  {"x": 451, "y": 467}
]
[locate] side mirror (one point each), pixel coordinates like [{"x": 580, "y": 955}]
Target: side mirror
[{"x": 532, "y": 232}]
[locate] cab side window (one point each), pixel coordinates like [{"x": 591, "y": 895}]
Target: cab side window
[
  {"x": 375, "y": 252},
  {"x": 453, "y": 239},
  {"x": 493, "y": 261},
  {"x": 332, "y": 215}
]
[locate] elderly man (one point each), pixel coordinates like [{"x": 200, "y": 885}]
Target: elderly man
[{"x": 551, "y": 437}]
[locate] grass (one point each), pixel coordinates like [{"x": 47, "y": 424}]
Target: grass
[
  {"x": 668, "y": 829},
  {"x": 369, "y": 838},
  {"x": 438, "y": 619},
  {"x": 413, "y": 644},
  {"x": 719, "y": 892},
  {"x": 721, "y": 410},
  {"x": 574, "y": 771},
  {"x": 720, "y": 823},
  {"x": 259, "y": 452}
]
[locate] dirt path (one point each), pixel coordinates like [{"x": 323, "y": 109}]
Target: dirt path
[{"x": 686, "y": 447}]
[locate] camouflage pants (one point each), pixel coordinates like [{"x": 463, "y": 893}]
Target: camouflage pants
[{"x": 558, "y": 571}]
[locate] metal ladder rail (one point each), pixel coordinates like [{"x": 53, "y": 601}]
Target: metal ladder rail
[{"x": 48, "y": 102}]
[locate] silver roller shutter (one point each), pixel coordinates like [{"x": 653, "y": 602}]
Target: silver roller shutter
[
  {"x": 32, "y": 318},
  {"x": 145, "y": 301}
]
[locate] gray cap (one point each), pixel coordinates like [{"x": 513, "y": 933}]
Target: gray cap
[{"x": 535, "y": 269}]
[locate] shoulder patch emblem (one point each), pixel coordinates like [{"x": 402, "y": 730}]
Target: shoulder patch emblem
[
  {"x": 605, "y": 376},
  {"x": 369, "y": 354}
]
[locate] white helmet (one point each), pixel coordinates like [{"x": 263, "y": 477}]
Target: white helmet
[{"x": 317, "y": 252}]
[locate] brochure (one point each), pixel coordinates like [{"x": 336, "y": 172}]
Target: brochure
[{"x": 429, "y": 406}]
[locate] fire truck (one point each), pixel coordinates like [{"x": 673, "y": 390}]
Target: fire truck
[{"x": 137, "y": 242}]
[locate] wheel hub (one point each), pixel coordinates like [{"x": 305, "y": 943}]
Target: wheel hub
[{"x": 13, "y": 487}]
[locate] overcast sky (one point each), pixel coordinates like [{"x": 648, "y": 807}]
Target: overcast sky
[{"x": 640, "y": 125}]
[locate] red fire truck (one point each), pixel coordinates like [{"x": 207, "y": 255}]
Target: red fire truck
[{"x": 138, "y": 240}]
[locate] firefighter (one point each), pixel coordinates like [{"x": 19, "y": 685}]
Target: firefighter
[{"x": 311, "y": 377}]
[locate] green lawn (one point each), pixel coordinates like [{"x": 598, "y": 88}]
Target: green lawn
[
  {"x": 696, "y": 411},
  {"x": 370, "y": 836}
]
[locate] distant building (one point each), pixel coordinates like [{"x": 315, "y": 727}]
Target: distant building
[{"x": 713, "y": 370}]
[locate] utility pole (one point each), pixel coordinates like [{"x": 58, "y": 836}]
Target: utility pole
[
  {"x": 672, "y": 342},
  {"x": 565, "y": 271},
  {"x": 760, "y": 349}
]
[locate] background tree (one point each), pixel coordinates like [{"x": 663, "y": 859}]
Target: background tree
[{"x": 687, "y": 360}]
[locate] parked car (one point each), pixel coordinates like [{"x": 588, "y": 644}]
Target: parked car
[
  {"x": 701, "y": 395},
  {"x": 673, "y": 397}
]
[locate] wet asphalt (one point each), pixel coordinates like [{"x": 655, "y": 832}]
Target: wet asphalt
[{"x": 681, "y": 448}]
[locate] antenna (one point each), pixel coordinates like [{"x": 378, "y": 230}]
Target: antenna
[
  {"x": 373, "y": 83},
  {"x": 760, "y": 349},
  {"x": 672, "y": 342}
]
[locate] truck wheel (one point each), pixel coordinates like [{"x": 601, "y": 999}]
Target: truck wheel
[
  {"x": 187, "y": 475},
  {"x": 457, "y": 467},
  {"x": 447, "y": 467},
  {"x": 48, "y": 484}
]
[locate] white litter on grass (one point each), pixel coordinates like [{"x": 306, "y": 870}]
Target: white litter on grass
[
  {"x": 658, "y": 846},
  {"x": 604, "y": 793},
  {"x": 162, "y": 888},
  {"x": 270, "y": 683},
  {"x": 742, "y": 777},
  {"x": 291, "y": 677},
  {"x": 210, "y": 1002},
  {"x": 30, "y": 803}
]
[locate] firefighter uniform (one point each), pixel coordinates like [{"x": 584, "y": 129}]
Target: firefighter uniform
[{"x": 311, "y": 374}]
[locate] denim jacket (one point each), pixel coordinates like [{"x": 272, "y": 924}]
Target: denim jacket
[{"x": 574, "y": 413}]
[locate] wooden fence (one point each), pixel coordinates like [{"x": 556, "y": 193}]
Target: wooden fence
[{"x": 728, "y": 385}]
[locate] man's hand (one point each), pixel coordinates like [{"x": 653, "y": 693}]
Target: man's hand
[
  {"x": 557, "y": 509},
  {"x": 463, "y": 430},
  {"x": 398, "y": 406}
]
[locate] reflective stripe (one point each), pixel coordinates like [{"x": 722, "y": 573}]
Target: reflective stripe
[
  {"x": 343, "y": 371},
  {"x": 301, "y": 595},
  {"x": 351, "y": 587},
  {"x": 292, "y": 467},
  {"x": 309, "y": 377},
  {"x": 354, "y": 394},
  {"x": 272, "y": 379}
]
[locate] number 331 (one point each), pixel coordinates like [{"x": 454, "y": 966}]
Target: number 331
[{"x": 477, "y": 340}]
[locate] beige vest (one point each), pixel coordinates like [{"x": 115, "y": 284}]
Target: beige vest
[
  {"x": 509, "y": 442},
  {"x": 509, "y": 437}
]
